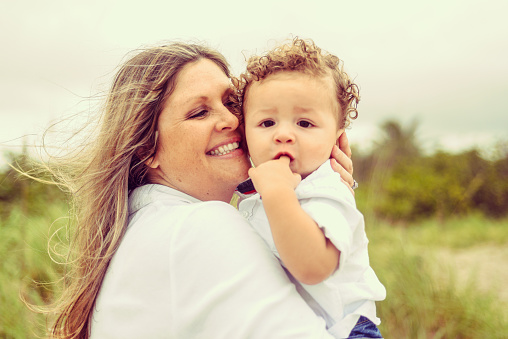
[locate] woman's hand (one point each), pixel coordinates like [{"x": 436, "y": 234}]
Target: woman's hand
[{"x": 341, "y": 161}]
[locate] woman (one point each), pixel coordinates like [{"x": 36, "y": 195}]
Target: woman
[{"x": 159, "y": 252}]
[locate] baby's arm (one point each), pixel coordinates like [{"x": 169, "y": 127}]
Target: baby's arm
[{"x": 302, "y": 246}]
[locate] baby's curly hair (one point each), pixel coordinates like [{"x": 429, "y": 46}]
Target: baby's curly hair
[{"x": 302, "y": 56}]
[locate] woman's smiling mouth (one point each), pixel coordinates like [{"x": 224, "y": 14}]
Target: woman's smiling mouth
[{"x": 224, "y": 149}]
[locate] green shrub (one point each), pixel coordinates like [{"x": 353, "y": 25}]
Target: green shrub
[
  {"x": 423, "y": 301},
  {"x": 23, "y": 252}
]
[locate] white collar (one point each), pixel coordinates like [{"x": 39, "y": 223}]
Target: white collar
[{"x": 146, "y": 194}]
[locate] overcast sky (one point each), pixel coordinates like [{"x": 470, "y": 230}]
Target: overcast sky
[{"x": 441, "y": 62}]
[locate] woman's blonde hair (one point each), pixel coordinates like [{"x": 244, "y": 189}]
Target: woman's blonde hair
[
  {"x": 304, "y": 56},
  {"x": 100, "y": 175}
]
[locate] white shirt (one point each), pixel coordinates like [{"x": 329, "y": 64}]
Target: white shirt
[
  {"x": 191, "y": 269},
  {"x": 351, "y": 291}
]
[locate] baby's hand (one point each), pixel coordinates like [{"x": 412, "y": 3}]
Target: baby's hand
[{"x": 274, "y": 176}]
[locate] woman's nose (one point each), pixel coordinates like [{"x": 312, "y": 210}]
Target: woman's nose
[{"x": 227, "y": 120}]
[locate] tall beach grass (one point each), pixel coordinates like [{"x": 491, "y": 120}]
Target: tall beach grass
[{"x": 425, "y": 298}]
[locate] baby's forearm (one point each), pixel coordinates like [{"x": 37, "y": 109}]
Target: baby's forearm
[{"x": 302, "y": 246}]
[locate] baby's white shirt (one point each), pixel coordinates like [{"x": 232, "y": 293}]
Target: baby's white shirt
[{"x": 351, "y": 291}]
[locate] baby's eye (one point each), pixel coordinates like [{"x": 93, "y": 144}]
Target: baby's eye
[
  {"x": 267, "y": 123},
  {"x": 304, "y": 124}
]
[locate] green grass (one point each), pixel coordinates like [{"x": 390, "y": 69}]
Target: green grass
[
  {"x": 458, "y": 233},
  {"x": 24, "y": 257},
  {"x": 424, "y": 298}
]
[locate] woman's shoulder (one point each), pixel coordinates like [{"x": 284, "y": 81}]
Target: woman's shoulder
[
  {"x": 176, "y": 214},
  {"x": 196, "y": 213},
  {"x": 157, "y": 195},
  {"x": 214, "y": 210},
  {"x": 211, "y": 220}
]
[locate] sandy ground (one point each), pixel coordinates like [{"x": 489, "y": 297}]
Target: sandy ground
[{"x": 488, "y": 265}]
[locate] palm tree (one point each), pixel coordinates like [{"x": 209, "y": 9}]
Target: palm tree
[{"x": 397, "y": 145}]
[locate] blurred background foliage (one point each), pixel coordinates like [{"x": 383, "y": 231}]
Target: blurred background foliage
[
  {"x": 416, "y": 206},
  {"x": 16, "y": 191},
  {"x": 401, "y": 184}
]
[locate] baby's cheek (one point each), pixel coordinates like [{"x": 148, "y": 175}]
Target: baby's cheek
[
  {"x": 315, "y": 158},
  {"x": 320, "y": 153}
]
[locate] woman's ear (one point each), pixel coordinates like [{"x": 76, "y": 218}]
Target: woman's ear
[{"x": 153, "y": 161}]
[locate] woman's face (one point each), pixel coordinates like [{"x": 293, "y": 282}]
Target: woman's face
[{"x": 198, "y": 145}]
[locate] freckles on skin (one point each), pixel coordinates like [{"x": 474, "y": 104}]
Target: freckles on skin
[
  {"x": 185, "y": 158},
  {"x": 195, "y": 119}
]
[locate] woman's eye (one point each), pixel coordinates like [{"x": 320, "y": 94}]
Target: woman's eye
[
  {"x": 232, "y": 106},
  {"x": 231, "y": 101},
  {"x": 199, "y": 114},
  {"x": 267, "y": 123},
  {"x": 304, "y": 124}
]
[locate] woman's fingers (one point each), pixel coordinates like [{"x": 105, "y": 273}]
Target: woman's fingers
[
  {"x": 347, "y": 184},
  {"x": 344, "y": 145},
  {"x": 344, "y": 175},
  {"x": 343, "y": 159}
]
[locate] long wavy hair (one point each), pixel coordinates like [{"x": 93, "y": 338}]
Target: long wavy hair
[
  {"x": 100, "y": 175},
  {"x": 303, "y": 56}
]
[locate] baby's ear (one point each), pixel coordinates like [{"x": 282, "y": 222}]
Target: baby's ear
[{"x": 339, "y": 133}]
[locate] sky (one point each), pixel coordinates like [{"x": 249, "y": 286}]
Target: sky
[{"x": 441, "y": 63}]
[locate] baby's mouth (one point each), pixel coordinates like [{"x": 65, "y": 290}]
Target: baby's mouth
[
  {"x": 281, "y": 154},
  {"x": 224, "y": 149}
]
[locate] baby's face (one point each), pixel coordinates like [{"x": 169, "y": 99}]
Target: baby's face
[{"x": 292, "y": 114}]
